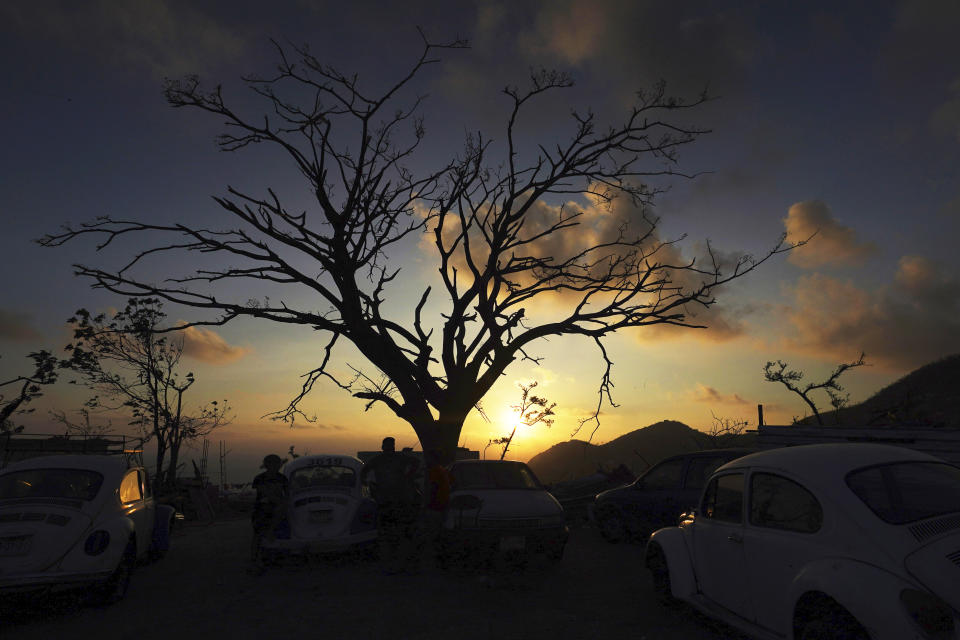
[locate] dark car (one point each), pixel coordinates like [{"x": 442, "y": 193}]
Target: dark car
[{"x": 658, "y": 497}]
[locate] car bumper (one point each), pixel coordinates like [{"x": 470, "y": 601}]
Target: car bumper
[
  {"x": 314, "y": 545},
  {"x": 25, "y": 582},
  {"x": 550, "y": 540}
]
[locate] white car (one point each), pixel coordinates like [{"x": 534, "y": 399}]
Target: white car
[
  {"x": 821, "y": 541},
  {"x": 328, "y": 509},
  {"x": 499, "y": 506},
  {"x": 69, "y": 521}
]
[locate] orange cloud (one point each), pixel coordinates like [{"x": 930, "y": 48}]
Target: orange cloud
[
  {"x": 573, "y": 31},
  {"x": 909, "y": 323},
  {"x": 834, "y": 243},
  {"x": 709, "y": 395},
  {"x": 207, "y": 346}
]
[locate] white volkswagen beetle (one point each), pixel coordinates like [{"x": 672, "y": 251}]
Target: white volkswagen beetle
[
  {"x": 821, "y": 541},
  {"x": 69, "y": 521},
  {"x": 328, "y": 509}
]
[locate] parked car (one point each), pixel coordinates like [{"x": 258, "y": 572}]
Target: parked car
[
  {"x": 658, "y": 497},
  {"x": 850, "y": 540},
  {"x": 328, "y": 509},
  {"x": 69, "y": 521},
  {"x": 499, "y": 506}
]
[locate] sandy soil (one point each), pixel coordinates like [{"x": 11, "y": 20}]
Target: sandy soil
[{"x": 202, "y": 590}]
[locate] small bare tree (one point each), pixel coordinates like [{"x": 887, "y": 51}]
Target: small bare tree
[
  {"x": 27, "y": 388},
  {"x": 86, "y": 426},
  {"x": 531, "y": 410},
  {"x": 128, "y": 360},
  {"x": 723, "y": 431},
  {"x": 499, "y": 243},
  {"x": 778, "y": 372}
]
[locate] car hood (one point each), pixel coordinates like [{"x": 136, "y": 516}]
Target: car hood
[
  {"x": 513, "y": 503},
  {"x": 937, "y": 567},
  {"x": 616, "y": 494},
  {"x": 35, "y": 536}
]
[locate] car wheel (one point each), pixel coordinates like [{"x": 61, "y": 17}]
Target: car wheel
[
  {"x": 827, "y": 620},
  {"x": 116, "y": 586},
  {"x": 611, "y": 525},
  {"x": 660, "y": 574}
]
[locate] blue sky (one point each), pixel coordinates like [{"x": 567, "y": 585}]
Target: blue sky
[{"x": 837, "y": 117}]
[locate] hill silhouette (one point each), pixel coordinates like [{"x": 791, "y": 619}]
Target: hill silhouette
[
  {"x": 925, "y": 397},
  {"x": 637, "y": 450}
]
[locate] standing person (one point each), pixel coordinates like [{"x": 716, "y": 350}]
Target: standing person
[
  {"x": 269, "y": 506},
  {"x": 395, "y": 492},
  {"x": 439, "y": 483}
]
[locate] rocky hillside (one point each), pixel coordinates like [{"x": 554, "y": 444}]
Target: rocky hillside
[{"x": 637, "y": 450}]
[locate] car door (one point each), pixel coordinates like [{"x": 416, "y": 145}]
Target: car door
[
  {"x": 718, "y": 544},
  {"x": 785, "y": 522},
  {"x": 132, "y": 504},
  {"x": 653, "y": 503},
  {"x": 695, "y": 477}
]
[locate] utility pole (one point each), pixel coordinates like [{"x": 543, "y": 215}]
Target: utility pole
[{"x": 223, "y": 465}]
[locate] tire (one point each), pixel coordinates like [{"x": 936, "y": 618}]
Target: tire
[
  {"x": 115, "y": 588},
  {"x": 660, "y": 574},
  {"x": 827, "y": 620},
  {"x": 612, "y": 527}
]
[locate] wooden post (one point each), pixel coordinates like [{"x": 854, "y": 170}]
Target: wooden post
[{"x": 759, "y": 415}]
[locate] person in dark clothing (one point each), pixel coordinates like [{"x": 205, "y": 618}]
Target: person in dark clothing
[
  {"x": 269, "y": 507},
  {"x": 396, "y": 495}
]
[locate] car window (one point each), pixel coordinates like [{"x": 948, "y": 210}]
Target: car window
[
  {"x": 495, "y": 475},
  {"x": 779, "y": 503},
  {"x": 323, "y": 476},
  {"x": 699, "y": 470},
  {"x": 666, "y": 475},
  {"x": 130, "y": 488},
  {"x": 76, "y": 484},
  {"x": 723, "y": 499},
  {"x": 905, "y": 492}
]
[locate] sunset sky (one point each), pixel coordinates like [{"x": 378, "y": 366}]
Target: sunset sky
[{"x": 837, "y": 117}]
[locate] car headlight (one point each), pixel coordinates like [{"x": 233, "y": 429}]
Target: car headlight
[
  {"x": 929, "y": 612},
  {"x": 97, "y": 542}
]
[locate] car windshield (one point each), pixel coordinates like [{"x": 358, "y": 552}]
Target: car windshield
[
  {"x": 75, "y": 484},
  {"x": 326, "y": 476},
  {"x": 908, "y": 491},
  {"x": 496, "y": 475}
]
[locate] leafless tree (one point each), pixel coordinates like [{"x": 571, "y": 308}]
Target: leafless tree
[
  {"x": 778, "y": 372},
  {"x": 86, "y": 426},
  {"x": 531, "y": 410},
  {"x": 26, "y": 389},
  {"x": 723, "y": 431},
  {"x": 484, "y": 212},
  {"x": 134, "y": 367}
]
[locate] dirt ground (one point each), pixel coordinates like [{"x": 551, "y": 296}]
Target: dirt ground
[{"x": 202, "y": 590}]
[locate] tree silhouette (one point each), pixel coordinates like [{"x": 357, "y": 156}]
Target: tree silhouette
[
  {"x": 129, "y": 361},
  {"x": 778, "y": 372},
  {"x": 26, "y": 389},
  {"x": 499, "y": 245},
  {"x": 531, "y": 410}
]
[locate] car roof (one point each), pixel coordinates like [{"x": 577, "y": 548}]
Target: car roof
[
  {"x": 102, "y": 464},
  {"x": 823, "y": 461},
  {"x": 459, "y": 462},
  {"x": 315, "y": 459}
]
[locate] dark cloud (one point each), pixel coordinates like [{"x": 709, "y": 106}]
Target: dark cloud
[
  {"x": 16, "y": 326},
  {"x": 710, "y": 395}
]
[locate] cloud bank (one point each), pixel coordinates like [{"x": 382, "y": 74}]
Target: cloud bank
[
  {"x": 208, "y": 346},
  {"x": 16, "y": 326},
  {"x": 834, "y": 244}
]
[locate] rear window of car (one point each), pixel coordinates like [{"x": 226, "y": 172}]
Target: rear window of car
[
  {"x": 74, "y": 484},
  {"x": 322, "y": 476},
  {"x": 506, "y": 475},
  {"x": 904, "y": 492}
]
